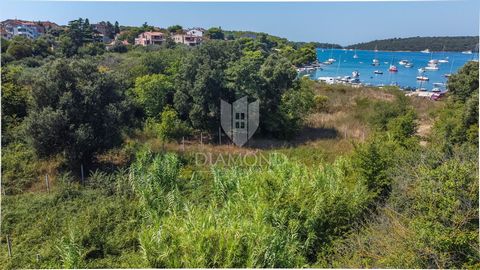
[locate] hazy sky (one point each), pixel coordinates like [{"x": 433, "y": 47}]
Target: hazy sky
[{"x": 338, "y": 22}]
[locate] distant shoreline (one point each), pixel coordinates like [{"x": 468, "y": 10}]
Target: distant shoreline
[{"x": 473, "y": 52}]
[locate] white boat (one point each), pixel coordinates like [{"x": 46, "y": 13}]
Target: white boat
[
  {"x": 327, "y": 80},
  {"x": 355, "y": 54},
  {"x": 438, "y": 84},
  {"x": 425, "y": 51},
  {"x": 433, "y": 61},
  {"x": 408, "y": 65},
  {"x": 421, "y": 70},
  {"x": 422, "y": 78},
  {"x": 392, "y": 68},
  {"x": 375, "y": 62},
  {"x": 445, "y": 59},
  {"x": 355, "y": 74},
  {"x": 431, "y": 67},
  {"x": 436, "y": 89},
  {"x": 467, "y": 52},
  {"x": 403, "y": 62},
  {"x": 331, "y": 60}
]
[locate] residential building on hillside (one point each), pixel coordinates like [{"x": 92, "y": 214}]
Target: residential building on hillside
[
  {"x": 103, "y": 31},
  {"x": 197, "y": 31},
  {"x": 28, "y": 29},
  {"x": 187, "y": 39},
  {"x": 150, "y": 38}
]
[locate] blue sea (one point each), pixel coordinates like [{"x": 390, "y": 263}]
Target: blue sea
[{"x": 345, "y": 64}]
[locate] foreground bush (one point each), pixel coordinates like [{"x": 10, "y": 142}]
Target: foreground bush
[{"x": 281, "y": 216}]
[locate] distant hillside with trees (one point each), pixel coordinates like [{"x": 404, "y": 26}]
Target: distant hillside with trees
[{"x": 461, "y": 43}]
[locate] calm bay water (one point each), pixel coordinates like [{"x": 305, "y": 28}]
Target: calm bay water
[{"x": 405, "y": 77}]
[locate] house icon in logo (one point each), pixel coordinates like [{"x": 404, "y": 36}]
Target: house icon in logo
[{"x": 239, "y": 120}]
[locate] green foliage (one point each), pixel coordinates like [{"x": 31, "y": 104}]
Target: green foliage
[
  {"x": 92, "y": 49},
  {"x": 175, "y": 28},
  {"x": 215, "y": 33},
  {"x": 170, "y": 126},
  {"x": 429, "y": 221},
  {"x": 20, "y": 47},
  {"x": 320, "y": 103},
  {"x": 458, "y": 122},
  {"x": 296, "y": 104},
  {"x": 403, "y": 127},
  {"x": 384, "y": 111},
  {"x": 19, "y": 168},
  {"x": 420, "y": 43},
  {"x": 153, "y": 92},
  {"x": 76, "y": 111},
  {"x": 279, "y": 217},
  {"x": 371, "y": 162},
  {"x": 465, "y": 83}
]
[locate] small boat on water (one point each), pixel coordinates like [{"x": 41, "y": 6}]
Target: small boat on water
[
  {"x": 393, "y": 68},
  {"x": 467, "y": 52},
  {"x": 443, "y": 61},
  {"x": 422, "y": 89},
  {"x": 422, "y": 78},
  {"x": 431, "y": 67},
  {"x": 378, "y": 72},
  {"x": 331, "y": 60},
  {"x": 447, "y": 75},
  {"x": 403, "y": 62},
  {"x": 421, "y": 70},
  {"x": 433, "y": 62},
  {"x": 355, "y": 54},
  {"x": 355, "y": 74},
  {"x": 375, "y": 62},
  {"x": 408, "y": 65},
  {"x": 436, "y": 89},
  {"x": 425, "y": 51},
  {"x": 438, "y": 84}
]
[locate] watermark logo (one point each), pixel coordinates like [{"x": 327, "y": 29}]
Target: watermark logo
[{"x": 240, "y": 119}]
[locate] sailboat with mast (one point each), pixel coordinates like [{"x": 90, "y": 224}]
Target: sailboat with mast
[
  {"x": 444, "y": 59},
  {"x": 355, "y": 54},
  {"x": 375, "y": 61}
]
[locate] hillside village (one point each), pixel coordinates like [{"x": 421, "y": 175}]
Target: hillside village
[{"x": 105, "y": 32}]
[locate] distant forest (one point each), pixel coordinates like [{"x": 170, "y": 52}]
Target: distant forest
[{"x": 467, "y": 43}]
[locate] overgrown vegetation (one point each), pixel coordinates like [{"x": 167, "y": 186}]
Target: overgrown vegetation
[{"x": 355, "y": 186}]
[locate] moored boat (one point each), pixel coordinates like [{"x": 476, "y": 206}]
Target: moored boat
[
  {"x": 425, "y": 51},
  {"x": 408, "y": 65},
  {"x": 422, "y": 78},
  {"x": 378, "y": 72},
  {"x": 403, "y": 62},
  {"x": 393, "y": 68}
]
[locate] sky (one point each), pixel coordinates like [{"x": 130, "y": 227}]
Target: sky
[{"x": 343, "y": 23}]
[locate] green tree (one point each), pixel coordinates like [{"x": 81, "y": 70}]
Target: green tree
[
  {"x": 20, "y": 47},
  {"x": 403, "y": 127},
  {"x": 463, "y": 84},
  {"x": 154, "y": 92},
  {"x": 116, "y": 28},
  {"x": 76, "y": 111},
  {"x": 175, "y": 28},
  {"x": 215, "y": 33}
]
